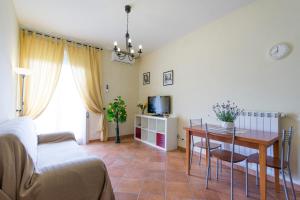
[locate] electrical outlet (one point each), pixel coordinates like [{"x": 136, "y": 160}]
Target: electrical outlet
[{"x": 180, "y": 138}]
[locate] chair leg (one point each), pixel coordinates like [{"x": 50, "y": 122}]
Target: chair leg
[
  {"x": 217, "y": 170},
  {"x": 207, "y": 173},
  {"x": 200, "y": 156},
  {"x": 246, "y": 178},
  {"x": 192, "y": 151},
  {"x": 256, "y": 177},
  {"x": 210, "y": 173},
  {"x": 231, "y": 182},
  {"x": 221, "y": 162},
  {"x": 221, "y": 166},
  {"x": 209, "y": 163},
  {"x": 292, "y": 184},
  {"x": 285, "y": 188}
]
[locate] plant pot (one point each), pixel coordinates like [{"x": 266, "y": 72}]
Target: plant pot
[
  {"x": 228, "y": 125},
  {"x": 117, "y": 140}
]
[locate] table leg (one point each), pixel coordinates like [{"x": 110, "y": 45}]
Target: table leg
[
  {"x": 187, "y": 151},
  {"x": 263, "y": 171},
  {"x": 276, "y": 171}
]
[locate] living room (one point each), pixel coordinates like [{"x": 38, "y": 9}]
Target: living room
[{"x": 70, "y": 68}]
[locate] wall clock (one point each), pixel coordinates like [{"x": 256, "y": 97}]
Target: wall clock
[{"x": 279, "y": 51}]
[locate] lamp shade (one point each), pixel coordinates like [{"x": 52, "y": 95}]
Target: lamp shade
[{"x": 22, "y": 71}]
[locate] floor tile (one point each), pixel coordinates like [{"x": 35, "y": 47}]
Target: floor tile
[
  {"x": 176, "y": 176},
  {"x": 125, "y": 196},
  {"x": 176, "y": 190},
  {"x": 153, "y": 187},
  {"x": 155, "y": 175},
  {"x": 127, "y": 185},
  {"x": 148, "y": 196}
]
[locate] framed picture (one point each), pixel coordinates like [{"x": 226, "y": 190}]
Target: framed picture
[
  {"x": 146, "y": 78},
  {"x": 168, "y": 78}
]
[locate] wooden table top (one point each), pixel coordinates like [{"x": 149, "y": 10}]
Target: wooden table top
[{"x": 243, "y": 135}]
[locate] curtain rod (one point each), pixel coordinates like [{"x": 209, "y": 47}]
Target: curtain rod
[{"x": 60, "y": 38}]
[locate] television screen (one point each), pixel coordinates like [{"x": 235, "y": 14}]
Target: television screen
[{"x": 159, "y": 105}]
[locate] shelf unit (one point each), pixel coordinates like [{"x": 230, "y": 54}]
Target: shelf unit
[{"x": 159, "y": 132}]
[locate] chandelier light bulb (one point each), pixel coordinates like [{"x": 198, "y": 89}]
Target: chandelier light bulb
[
  {"x": 140, "y": 47},
  {"x": 115, "y": 43},
  {"x": 132, "y": 51},
  {"x": 119, "y": 49},
  {"x": 129, "y": 40}
]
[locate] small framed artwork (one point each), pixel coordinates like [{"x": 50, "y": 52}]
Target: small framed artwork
[
  {"x": 146, "y": 78},
  {"x": 168, "y": 78}
]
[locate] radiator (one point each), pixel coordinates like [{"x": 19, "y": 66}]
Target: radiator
[{"x": 261, "y": 121}]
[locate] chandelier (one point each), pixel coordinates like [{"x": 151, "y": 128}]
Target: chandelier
[{"x": 129, "y": 51}]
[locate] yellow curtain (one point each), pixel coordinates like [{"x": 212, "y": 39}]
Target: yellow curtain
[
  {"x": 43, "y": 56},
  {"x": 86, "y": 66}
]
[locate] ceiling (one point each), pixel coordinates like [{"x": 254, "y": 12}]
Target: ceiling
[{"x": 152, "y": 23}]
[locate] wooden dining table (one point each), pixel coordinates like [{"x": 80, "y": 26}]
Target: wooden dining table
[{"x": 254, "y": 139}]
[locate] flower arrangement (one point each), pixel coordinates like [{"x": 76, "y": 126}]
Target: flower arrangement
[
  {"x": 142, "y": 107},
  {"x": 227, "y": 112}
]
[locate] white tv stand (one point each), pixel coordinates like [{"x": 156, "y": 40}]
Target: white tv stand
[{"x": 159, "y": 132}]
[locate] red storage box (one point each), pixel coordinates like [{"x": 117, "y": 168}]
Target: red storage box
[
  {"x": 160, "y": 140},
  {"x": 138, "y": 133}
]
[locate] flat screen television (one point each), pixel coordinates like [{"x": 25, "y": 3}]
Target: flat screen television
[{"x": 159, "y": 105}]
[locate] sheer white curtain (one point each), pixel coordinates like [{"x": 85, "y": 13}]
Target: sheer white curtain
[{"x": 66, "y": 111}]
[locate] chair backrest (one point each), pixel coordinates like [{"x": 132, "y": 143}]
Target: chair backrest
[
  {"x": 229, "y": 135},
  {"x": 195, "y": 122},
  {"x": 286, "y": 139}
]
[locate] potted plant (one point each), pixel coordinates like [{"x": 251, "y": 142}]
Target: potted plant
[
  {"x": 227, "y": 113},
  {"x": 116, "y": 112},
  {"x": 142, "y": 107}
]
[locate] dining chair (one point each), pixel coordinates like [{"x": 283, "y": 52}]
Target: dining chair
[
  {"x": 225, "y": 155},
  {"x": 201, "y": 144},
  {"x": 281, "y": 163}
]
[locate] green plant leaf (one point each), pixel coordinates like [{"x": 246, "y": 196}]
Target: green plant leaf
[{"x": 117, "y": 110}]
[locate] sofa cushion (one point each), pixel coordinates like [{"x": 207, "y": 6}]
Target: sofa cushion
[
  {"x": 24, "y": 129},
  {"x": 51, "y": 154}
]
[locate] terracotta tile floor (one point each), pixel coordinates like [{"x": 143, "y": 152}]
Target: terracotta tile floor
[{"x": 138, "y": 171}]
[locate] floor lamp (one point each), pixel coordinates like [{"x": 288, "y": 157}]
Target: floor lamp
[{"x": 23, "y": 72}]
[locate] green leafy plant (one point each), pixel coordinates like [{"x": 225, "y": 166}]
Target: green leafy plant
[
  {"x": 227, "y": 112},
  {"x": 116, "y": 112}
]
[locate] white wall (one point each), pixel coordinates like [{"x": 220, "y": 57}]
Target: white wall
[
  {"x": 123, "y": 81},
  {"x": 227, "y": 59},
  {"x": 8, "y": 59}
]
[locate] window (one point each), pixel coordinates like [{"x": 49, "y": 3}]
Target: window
[{"x": 66, "y": 111}]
